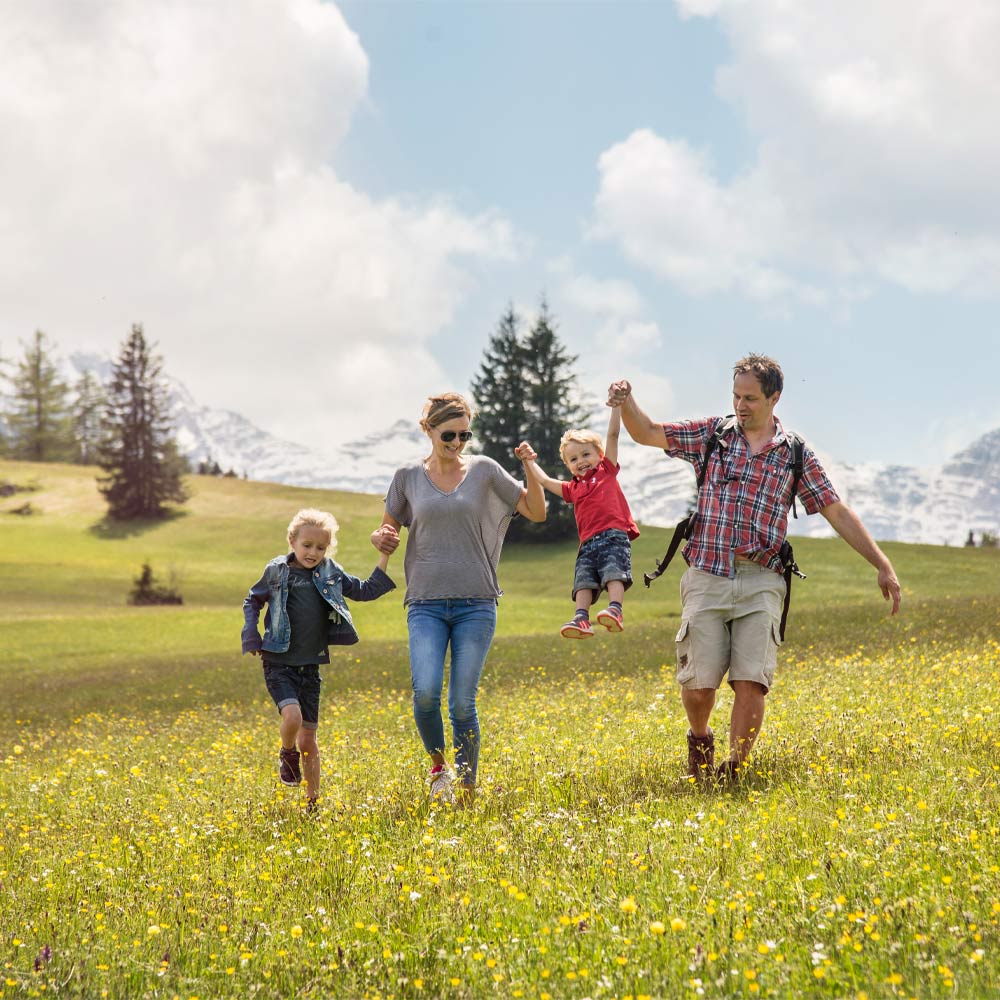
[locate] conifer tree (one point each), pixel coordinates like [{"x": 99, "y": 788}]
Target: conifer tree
[
  {"x": 499, "y": 391},
  {"x": 88, "y": 410},
  {"x": 137, "y": 452},
  {"x": 38, "y": 418},
  {"x": 552, "y": 409},
  {"x": 526, "y": 390}
]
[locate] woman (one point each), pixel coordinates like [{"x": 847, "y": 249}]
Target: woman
[{"x": 457, "y": 508}]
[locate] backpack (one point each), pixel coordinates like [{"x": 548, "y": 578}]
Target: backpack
[{"x": 685, "y": 527}]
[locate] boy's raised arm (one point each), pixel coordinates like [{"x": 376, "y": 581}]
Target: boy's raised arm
[{"x": 614, "y": 429}]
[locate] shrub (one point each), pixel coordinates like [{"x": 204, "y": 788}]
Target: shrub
[{"x": 147, "y": 590}]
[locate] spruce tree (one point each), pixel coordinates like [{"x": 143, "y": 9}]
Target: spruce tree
[
  {"x": 499, "y": 391},
  {"x": 137, "y": 452},
  {"x": 88, "y": 410},
  {"x": 552, "y": 410},
  {"x": 526, "y": 390},
  {"x": 38, "y": 419}
]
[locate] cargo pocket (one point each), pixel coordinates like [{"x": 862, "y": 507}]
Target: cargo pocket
[{"x": 685, "y": 668}]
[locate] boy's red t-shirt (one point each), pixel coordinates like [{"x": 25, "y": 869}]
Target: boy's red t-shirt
[{"x": 598, "y": 502}]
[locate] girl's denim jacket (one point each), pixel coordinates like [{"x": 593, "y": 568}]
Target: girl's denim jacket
[{"x": 332, "y": 582}]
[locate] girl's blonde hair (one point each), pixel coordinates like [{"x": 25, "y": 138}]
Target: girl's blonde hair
[
  {"x": 441, "y": 409},
  {"x": 580, "y": 437},
  {"x": 317, "y": 519}
]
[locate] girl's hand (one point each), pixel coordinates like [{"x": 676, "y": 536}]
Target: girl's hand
[{"x": 525, "y": 453}]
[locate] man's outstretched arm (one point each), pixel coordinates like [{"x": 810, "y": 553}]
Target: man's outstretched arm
[
  {"x": 641, "y": 429},
  {"x": 848, "y": 525}
]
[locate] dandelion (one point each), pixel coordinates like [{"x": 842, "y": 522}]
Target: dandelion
[
  {"x": 678, "y": 924},
  {"x": 628, "y": 905},
  {"x": 657, "y": 927},
  {"x": 296, "y": 930}
]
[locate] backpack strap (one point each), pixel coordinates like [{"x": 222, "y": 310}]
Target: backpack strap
[
  {"x": 787, "y": 557},
  {"x": 798, "y": 449}
]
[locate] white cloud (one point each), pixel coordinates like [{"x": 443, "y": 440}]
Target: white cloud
[
  {"x": 170, "y": 164},
  {"x": 877, "y": 153}
]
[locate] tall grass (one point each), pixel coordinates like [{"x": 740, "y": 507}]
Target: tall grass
[{"x": 147, "y": 850}]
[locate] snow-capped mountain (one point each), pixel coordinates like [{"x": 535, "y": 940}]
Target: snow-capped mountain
[{"x": 930, "y": 504}]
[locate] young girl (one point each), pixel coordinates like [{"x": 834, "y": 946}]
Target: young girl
[{"x": 304, "y": 591}]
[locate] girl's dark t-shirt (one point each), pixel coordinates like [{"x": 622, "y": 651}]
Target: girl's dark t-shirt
[{"x": 309, "y": 618}]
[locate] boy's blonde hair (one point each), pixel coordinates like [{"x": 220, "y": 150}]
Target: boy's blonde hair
[
  {"x": 316, "y": 519},
  {"x": 580, "y": 437}
]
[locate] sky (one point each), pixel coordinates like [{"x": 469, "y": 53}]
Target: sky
[{"x": 319, "y": 211}]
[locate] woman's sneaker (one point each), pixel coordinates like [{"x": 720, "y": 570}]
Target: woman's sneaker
[
  {"x": 611, "y": 619},
  {"x": 288, "y": 767},
  {"x": 578, "y": 628},
  {"x": 442, "y": 781}
]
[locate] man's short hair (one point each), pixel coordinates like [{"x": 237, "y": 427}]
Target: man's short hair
[{"x": 766, "y": 370}]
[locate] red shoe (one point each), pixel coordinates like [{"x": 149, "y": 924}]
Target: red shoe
[
  {"x": 611, "y": 619},
  {"x": 578, "y": 628}
]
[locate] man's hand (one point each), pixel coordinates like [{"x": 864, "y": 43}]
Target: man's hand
[
  {"x": 618, "y": 392},
  {"x": 385, "y": 539},
  {"x": 889, "y": 586}
]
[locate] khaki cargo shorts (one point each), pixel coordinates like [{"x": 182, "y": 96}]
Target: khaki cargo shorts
[{"x": 729, "y": 625}]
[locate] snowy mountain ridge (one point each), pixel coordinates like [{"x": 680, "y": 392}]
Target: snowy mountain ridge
[{"x": 937, "y": 504}]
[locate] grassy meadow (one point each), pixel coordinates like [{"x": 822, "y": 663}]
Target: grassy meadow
[{"x": 147, "y": 849}]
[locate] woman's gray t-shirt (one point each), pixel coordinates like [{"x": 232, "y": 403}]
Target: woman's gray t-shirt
[{"x": 454, "y": 538}]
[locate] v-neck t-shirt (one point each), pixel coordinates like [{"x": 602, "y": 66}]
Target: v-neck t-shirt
[{"x": 455, "y": 537}]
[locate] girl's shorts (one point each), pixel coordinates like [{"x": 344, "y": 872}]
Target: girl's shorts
[{"x": 295, "y": 686}]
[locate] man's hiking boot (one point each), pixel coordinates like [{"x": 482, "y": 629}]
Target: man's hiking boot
[
  {"x": 288, "y": 770},
  {"x": 729, "y": 773},
  {"x": 701, "y": 757}
]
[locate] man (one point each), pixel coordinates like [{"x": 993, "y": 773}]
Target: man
[{"x": 733, "y": 590}]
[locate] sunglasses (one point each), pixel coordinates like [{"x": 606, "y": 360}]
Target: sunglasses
[{"x": 451, "y": 435}]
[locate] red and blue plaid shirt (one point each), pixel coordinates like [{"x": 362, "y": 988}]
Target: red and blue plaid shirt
[{"x": 744, "y": 500}]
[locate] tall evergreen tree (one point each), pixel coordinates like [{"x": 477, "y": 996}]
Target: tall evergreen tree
[
  {"x": 552, "y": 409},
  {"x": 137, "y": 452},
  {"x": 88, "y": 411},
  {"x": 38, "y": 418},
  {"x": 526, "y": 390},
  {"x": 500, "y": 390}
]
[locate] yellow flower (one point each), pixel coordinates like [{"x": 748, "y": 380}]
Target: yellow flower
[
  {"x": 678, "y": 924},
  {"x": 296, "y": 931},
  {"x": 628, "y": 905},
  {"x": 657, "y": 927}
]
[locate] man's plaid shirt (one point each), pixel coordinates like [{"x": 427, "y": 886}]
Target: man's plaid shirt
[{"x": 744, "y": 500}]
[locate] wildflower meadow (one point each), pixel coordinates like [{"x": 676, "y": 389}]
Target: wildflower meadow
[{"x": 148, "y": 850}]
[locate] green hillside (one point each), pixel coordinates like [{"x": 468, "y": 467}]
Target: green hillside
[{"x": 67, "y": 571}]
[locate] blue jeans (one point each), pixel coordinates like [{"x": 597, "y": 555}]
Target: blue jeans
[{"x": 468, "y": 625}]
